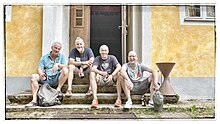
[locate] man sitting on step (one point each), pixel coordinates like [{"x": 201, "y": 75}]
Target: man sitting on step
[
  {"x": 132, "y": 81},
  {"x": 52, "y": 69},
  {"x": 105, "y": 71},
  {"x": 80, "y": 62}
]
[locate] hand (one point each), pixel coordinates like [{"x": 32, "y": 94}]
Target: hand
[
  {"x": 88, "y": 63},
  {"x": 104, "y": 73},
  {"x": 130, "y": 85},
  {"x": 108, "y": 78},
  {"x": 156, "y": 87},
  {"x": 43, "y": 76},
  {"x": 55, "y": 67}
]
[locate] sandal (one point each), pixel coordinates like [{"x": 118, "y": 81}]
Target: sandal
[
  {"x": 89, "y": 93},
  {"x": 118, "y": 103},
  {"x": 31, "y": 104},
  {"x": 68, "y": 92}
]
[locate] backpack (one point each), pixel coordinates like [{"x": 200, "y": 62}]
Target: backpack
[{"x": 48, "y": 96}]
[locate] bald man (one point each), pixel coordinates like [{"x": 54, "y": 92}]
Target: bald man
[
  {"x": 80, "y": 62},
  {"x": 104, "y": 72},
  {"x": 132, "y": 81}
]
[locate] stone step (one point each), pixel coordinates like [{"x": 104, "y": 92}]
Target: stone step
[
  {"x": 83, "y": 88},
  {"x": 78, "y": 80},
  {"x": 78, "y": 98},
  {"x": 184, "y": 109}
]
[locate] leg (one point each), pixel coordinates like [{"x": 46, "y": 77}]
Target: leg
[
  {"x": 119, "y": 89},
  {"x": 88, "y": 71},
  {"x": 128, "y": 104},
  {"x": 62, "y": 78},
  {"x": 34, "y": 88},
  {"x": 125, "y": 88},
  {"x": 93, "y": 85},
  {"x": 70, "y": 77},
  {"x": 152, "y": 88}
]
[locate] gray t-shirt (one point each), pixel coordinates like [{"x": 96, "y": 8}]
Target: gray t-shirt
[
  {"x": 108, "y": 65},
  {"x": 78, "y": 57},
  {"x": 135, "y": 74}
]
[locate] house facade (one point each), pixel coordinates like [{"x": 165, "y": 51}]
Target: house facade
[{"x": 158, "y": 33}]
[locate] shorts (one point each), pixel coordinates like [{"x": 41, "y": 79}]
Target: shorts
[
  {"x": 85, "y": 70},
  {"x": 140, "y": 87},
  {"x": 52, "y": 81},
  {"x": 101, "y": 82}
]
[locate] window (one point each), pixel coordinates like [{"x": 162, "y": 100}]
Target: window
[
  {"x": 199, "y": 13},
  {"x": 79, "y": 16}
]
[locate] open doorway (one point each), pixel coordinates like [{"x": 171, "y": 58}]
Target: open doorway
[{"x": 105, "y": 22}]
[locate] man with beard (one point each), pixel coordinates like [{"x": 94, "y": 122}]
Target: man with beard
[
  {"x": 52, "y": 69},
  {"x": 133, "y": 82},
  {"x": 80, "y": 61},
  {"x": 104, "y": 72}
]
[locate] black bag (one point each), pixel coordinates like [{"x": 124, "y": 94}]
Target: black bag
[{"x": 48, "y": 96}]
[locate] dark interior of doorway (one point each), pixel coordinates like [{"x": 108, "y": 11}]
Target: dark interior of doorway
[{"x": 105, "y": 22}]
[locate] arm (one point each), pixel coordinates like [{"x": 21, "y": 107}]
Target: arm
[
  {"x": 103, "y": 73},
  {"x": 125, "y": 76},
  {"x": 41, "y": 73},
  {"x": 61, "y": 64},
  {"x": 114, "y": 73},
  {"x": 154, "y": 77}
]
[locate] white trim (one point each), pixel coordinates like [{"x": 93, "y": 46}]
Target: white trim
[
  {"x": 193, "y": 22},
  {"x": 55, "y": 28},
  {"x": 146, "y": 35}
]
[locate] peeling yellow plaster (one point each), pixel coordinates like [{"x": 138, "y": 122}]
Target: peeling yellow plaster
[
  {"x": 192, "y": 47},
  {"x": 23, "y": 40}
]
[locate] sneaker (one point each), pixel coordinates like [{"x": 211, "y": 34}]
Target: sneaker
[
  {"x": 94, "y": 103},
  {"x": 128, "y": 104},
  {"x": 81, "y": 75},
  {"x": 151, "y": 103},
  {"x": 118, "y": 103},
  {"x": 31, "y": 104}
]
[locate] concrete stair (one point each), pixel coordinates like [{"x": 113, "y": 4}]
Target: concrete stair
[{"x": 106, "y": 94}]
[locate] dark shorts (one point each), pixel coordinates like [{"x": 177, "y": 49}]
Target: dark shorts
[
  {"x": 101, "y": 82},
  {"x": 86, "y": 71},
  {"x": 52, "y": 81},
  {"x": 140, "y": 87}
]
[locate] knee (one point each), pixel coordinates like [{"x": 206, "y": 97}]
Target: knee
[
  {"x": 72, "y": 67},
  {"x": 34, "y": 77},
  {"x": 92, "y": 76},
  {"x": 65, "y": 71}
]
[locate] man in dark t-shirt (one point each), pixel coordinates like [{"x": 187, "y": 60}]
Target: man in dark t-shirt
[
  {"x": 104, "y": 72},
  {"x": 80, "y": 62}
]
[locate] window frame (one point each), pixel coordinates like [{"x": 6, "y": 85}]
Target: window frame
[
  {"x": 203, "y": 15},
  {"x": 77, "y": 18},
  {"x": 184, "y": 20}
]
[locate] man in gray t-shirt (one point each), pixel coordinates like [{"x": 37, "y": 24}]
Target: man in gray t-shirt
[
  {"x": 132, "y": 80},
  {"x": 80, "y": 62},
  {"x": 104, "y": 72}
]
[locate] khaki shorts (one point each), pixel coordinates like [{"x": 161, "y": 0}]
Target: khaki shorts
[{"x": 101, "y": 82}]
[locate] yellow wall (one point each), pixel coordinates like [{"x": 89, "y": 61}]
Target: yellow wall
[
  {"x": 23, "y": 40},
  {"x": 192, "y": 47}
]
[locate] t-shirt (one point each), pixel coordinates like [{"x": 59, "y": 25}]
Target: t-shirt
[
  {"x": 108, "y": 65},
  {"x": 78, "y": 57},
  {"x": 47, "y": 63},
  {"x": 135, "y": 74}
]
